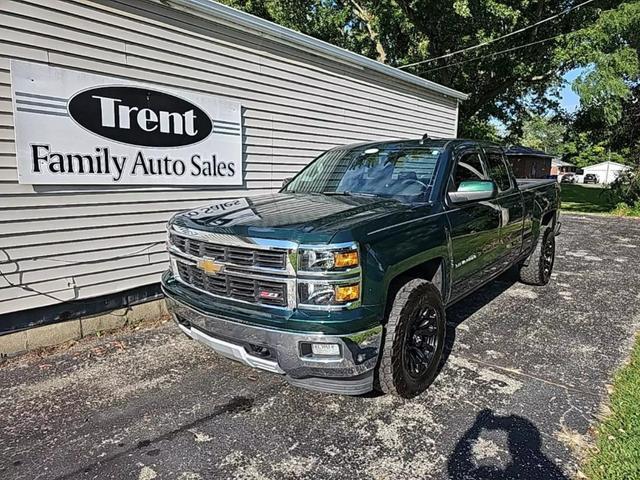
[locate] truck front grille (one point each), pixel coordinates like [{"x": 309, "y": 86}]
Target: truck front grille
[
  {"x": 235, "y": 286},
  {"x": 242, "y": 256}
]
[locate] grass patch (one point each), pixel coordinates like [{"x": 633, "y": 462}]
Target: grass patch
[
  {"x": 585, "y": 198},
  {"x": 617, "y": 453},
  {"x": 624, "y": 210}
]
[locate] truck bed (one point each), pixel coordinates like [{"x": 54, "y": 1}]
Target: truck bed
[
  {"x": 529, "y": 183},
  {"x": 539, "y": 195}
]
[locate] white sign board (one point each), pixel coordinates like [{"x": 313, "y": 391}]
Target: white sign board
[{"x": 80, "y": 128}]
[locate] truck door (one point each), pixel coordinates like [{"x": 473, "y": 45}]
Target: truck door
[
  {"x": 475, "y": 227},
  {"x": 510, "y": 202}
]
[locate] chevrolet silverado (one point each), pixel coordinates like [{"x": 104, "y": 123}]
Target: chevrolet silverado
[{"x": 340, "y": 281}]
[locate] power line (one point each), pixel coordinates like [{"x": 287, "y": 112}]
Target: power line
[
  {"x": 494, "y": 53},
  {"x": 488, "y": 42}
]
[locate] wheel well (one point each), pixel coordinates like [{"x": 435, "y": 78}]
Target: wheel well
[
  {"x": 549, "y": 218},
  {"x": 431, "y": 270}
]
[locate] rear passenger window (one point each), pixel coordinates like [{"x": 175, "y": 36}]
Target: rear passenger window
[{"x": 497, "y": 171}]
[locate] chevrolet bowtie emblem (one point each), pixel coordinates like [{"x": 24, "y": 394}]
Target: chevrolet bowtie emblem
[{"x": 209, "y": 266}]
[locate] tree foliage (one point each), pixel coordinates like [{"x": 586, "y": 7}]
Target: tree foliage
[
  {"x": 505, "y": 86},
  {"x": 543, "y": 133},
  {"x": 326, "y": 20},
  {"x": 509, "y": 84},
  {"x": 592, "y": 154},
  {"x": 609, "y": 50},
  {"x": 502, "y": 86},
  {"x": 626, "y": 188},
  {"x": 609, "y": 88}
]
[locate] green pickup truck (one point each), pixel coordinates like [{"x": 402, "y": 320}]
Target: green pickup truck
[{"x": 340, "y": 281}]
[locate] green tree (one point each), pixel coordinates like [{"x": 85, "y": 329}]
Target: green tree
[
  {"x": 326, "y": 20},
  {"x": 543, "y": 133},
  {"x": 626, "y": 134},
  {"x": 502, "y": 86},
  {"x": 483, "y": 130},
  {"x": 593, "y": 154},
  {"x": 609, "y": 52}
]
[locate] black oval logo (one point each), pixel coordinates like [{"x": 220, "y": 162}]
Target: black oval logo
[{"x": 139, "y": 116}]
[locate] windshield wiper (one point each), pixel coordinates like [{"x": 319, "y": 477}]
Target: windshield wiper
[{"x": 347, "y": 193}]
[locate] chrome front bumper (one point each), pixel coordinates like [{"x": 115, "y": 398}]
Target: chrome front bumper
[
  {"x": 352, "y": 374},
  {"x": 230, "y": 350}
]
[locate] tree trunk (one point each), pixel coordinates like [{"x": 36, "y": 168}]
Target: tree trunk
[{"x": 363, "y": 14}]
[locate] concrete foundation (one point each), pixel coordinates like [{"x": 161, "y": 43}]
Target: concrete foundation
[{"x": 57, "y": 333}]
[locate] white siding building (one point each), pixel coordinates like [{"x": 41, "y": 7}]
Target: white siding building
[
  {"x": 607, "y": 172},
  {"x": 62, "y": 243}
]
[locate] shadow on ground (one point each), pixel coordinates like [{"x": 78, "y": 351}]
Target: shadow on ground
[
  {"x": 465, "y": 308},
  {"x": 527, "y": 462}
]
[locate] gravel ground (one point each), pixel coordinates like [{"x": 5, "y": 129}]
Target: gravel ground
[{"x": 523, "y": 383}]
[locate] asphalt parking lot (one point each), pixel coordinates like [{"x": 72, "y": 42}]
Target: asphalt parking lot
[{"x": 524, "y": 381}]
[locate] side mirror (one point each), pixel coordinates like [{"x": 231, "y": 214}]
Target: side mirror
[
  {"x": 286, "y": 181},
  {"x": 474, "y": 191}
]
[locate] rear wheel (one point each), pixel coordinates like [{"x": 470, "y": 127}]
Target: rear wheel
[
  {"x": 537, "y": 268},
  {"x": 414, "y": 340}
]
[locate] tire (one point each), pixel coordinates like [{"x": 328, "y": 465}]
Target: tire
[
  {"x": 537, "y": 268},
  {"x": 415, "y": 330}
]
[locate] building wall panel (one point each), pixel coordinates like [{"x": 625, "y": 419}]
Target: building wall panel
[{"x": 68, "y": 242}]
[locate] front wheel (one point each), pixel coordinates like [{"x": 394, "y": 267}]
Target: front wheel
[
  {"x": 414, "y": 340},
  {"x": 537, "y": 268}
]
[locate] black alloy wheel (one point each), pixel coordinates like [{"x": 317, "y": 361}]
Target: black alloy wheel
[
  {"x": 548, "y": 256},
  {"x": 421, "y": 341},
  {"x": 414, "y": 339},
  {"x": 537, "y": 268}
]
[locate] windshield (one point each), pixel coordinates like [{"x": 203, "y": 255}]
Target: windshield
[{"x": 391, "y": 171}]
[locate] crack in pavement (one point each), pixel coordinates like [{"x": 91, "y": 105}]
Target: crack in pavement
[
  {"x": 531, "y": 376},
  {"x": 235, "y": 405}
]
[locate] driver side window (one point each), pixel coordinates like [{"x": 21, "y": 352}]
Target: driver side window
[{"x": 469, "y": 167}]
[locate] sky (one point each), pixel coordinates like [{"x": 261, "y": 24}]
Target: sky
[{"x": 569, "y": 100}]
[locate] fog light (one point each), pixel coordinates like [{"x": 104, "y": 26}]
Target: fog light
[
  {"x": 347, "y": 293},
  {"x": 325, "y": 349}
]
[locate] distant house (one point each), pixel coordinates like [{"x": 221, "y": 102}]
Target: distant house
[
  {"x": 607, "y": 171},
  {"x": 528, "y": 162},
  {"x": 560, "y": 167}
]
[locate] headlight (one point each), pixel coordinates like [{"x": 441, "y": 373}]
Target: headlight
[
  {"x": 327, "y": 294},
  {"x": 328, "y": 259},
  {"x": 329, "y": 276}
]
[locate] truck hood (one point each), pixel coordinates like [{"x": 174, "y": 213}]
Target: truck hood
[{"x": 304, "y": 218}]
